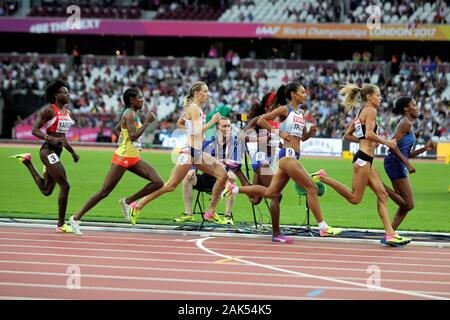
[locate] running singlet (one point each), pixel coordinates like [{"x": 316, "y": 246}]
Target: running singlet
[
  {"x": 190, "y": 123},
  {"x": 405, "y": 144},
  {"x": 195, "y": 152},
  {"x": 360, "y": 129},
  {"x": 294, "y": 124},
  {"x": 128, "y": 148},
  {"x": 61, "y": 122}
]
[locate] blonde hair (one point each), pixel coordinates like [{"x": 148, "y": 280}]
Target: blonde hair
[
  {"x": 190, "y": 97},
  {"x": 354, "y": 95}
]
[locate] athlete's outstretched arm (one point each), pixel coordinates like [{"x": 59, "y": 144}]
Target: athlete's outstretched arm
[
  {"x": 428, "y": 147},
  {"x": 281, "y": 112}
]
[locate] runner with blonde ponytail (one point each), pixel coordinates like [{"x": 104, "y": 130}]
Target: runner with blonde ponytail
[
  {"x": 193, "y": 120},
  {"x": 363, "y": 130}
]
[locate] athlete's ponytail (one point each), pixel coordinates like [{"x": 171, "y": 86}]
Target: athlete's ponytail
[
  {"x": 257, "y": 107},
  {"x": 290, "y": 88},
  {"x": 353, "y": 95},
  {"x": 281, "y": 96},
  {"x": 190, "y": 97}
]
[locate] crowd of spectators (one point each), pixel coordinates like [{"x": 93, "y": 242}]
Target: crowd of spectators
[
  {"x": 8, "y": 7},
  {"x": 96, "y": 91},
  {"x": 106, "y": 9},
  {"x": 337, "y": 11}
]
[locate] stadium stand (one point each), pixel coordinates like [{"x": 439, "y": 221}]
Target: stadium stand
[
  {"x": 96, "y": 87},
  {"x": 106, "y": 9},
  {"x": 190, "y": 10},
  {"x": 8, "y": 8},
  {"x": 354, "y": 11}
]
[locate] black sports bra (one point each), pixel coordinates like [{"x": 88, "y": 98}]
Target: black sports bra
[{"x": 360, "y": 129}]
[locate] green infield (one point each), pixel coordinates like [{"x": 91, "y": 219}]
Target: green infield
[{"x": 22, "y": 199}]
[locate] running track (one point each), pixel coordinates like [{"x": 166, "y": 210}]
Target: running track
[{"x": 36, "y": 263}]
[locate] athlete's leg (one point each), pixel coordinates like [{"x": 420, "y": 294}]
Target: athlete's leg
[
  {"x": 297, "y": 173},
  {"x": 397, "y": 198},
  {"x": 403, "y": 189},
  {"x": 376, "y": 185},
  {"x": 58, "y": 174},
  {"x": 177, "y": 175},
  {"x": 274, "y": 208},
  {"x": 271, "y": 192},
  {"x": 256, "y": 181},
  {"x": 212, "y": 166},
  {"x": 113, "y": 177},
  {"x": 359, "y": 183},
  {"x": 146, "y": 171},
  {"x": 188, "y": 192},
  {"x": 45, "y": 184}
]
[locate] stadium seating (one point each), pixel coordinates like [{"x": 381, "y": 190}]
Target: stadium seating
[
  {"x": 98, "y": 86},
  {"x": 314, "y": 11},
  {"x": 92, "y": 11},
  {"x": 9, "y": 7}
]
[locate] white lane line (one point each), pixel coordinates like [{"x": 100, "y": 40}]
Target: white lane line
[
  {"x": 209, "y": 271},
  {"x": 262, "y": 238},
  {"x": 25, "y": 298},
  {"x": 174, "y": 292},
  {"x": 197, "y": 281},
  {"x": 181, "y": 261},
  {"x": 205, "y": 255},
  {"x": 79, "y": 244},
  {"x": 414, "y": 294}
]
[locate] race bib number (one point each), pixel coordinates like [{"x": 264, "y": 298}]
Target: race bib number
[
  {"x": 298, "y": 124},
  {"x": 260, "y": 156},
  {"x": 290, "y": 153},
  {"x": 53, "y": 158},
  {"x": 63, "y": 125},
  {"x": 183, "y": 158},
  {"x": 358, "y": 129}
]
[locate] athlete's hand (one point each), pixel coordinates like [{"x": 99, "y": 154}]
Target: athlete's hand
[
  {"x": 216, "y": 117},
  {"x": 312, "y": 131},
  {"x": 430, "y": 145},
  {"x": 392, "y": 144},
  {"x": 75, "y": 157},
  {"x": 410, "y": 168},
  {"x": 150, "y": 117}
]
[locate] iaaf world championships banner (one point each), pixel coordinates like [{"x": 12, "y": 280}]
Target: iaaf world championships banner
[{"x": 225, "y": 30}]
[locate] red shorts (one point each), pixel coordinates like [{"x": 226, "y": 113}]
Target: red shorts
[{"x": 125, "y": 161}]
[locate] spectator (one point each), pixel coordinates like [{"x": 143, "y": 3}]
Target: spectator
[{"x": 212, "y": 52}]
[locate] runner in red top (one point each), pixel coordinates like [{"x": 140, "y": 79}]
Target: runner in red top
[{"x": 57, "y": 121}]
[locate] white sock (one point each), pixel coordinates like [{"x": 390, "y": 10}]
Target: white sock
[
  {"x": 323, "y": 225},
  {"x": 235, "y": 190}
]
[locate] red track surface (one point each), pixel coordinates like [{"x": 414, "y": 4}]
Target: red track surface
[{"x": 38, "y": 263}]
